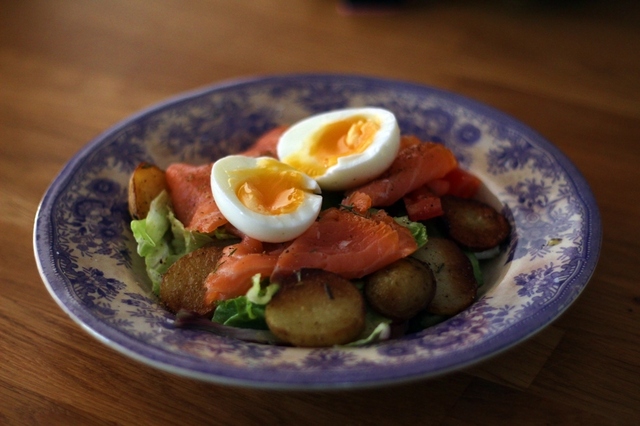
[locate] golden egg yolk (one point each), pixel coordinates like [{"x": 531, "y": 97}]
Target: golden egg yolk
[
  {"x": 322, "y": 150},
  {"x": 271, "y": 188}
]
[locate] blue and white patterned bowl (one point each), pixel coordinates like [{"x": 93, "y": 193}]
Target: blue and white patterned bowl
[{"x": 87, "y": 257}]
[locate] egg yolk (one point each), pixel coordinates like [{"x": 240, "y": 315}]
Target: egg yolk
[
  {"x": 271, "y": 188},
  {"x": 350, "y": 136}
]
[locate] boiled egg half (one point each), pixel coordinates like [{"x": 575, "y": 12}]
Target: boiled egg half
[
  {"x": 342, "y": 149},
  {"x": 264, "y": 198}
]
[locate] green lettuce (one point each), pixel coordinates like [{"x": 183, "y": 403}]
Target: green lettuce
[
  {"x": 418, "y": 230},
  {"x": 162, "y": 239},
  {"x": 240, "y": 312},
  {"x": 246, "y": 311},
  {"x": 377, "y": 328}
]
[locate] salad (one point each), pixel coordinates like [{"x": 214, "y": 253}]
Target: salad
[{"x": 336, "y": 230}]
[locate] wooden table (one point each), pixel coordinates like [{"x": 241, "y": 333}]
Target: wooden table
[{"x": 71, "y": 69}]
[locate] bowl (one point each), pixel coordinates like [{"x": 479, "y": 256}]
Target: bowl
[{"x": 87, "y": 256}]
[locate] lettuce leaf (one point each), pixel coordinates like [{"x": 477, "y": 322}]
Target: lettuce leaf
[
  {"x": 377, "y": 328},
  {"x": 418, "y": 230},
  {"x": 240, "y": 312},
  {"x": 162, "y": 239},
  {"x": 246, "y": 311}
]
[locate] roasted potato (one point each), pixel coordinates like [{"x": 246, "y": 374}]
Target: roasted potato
[
  {"x": 146, "y": 182},
  {"x": 401, "y": 290},
  {"x": 474, "y": 224},
  {"x": 321, "y": 309},
  {"x": 456, "y": 286},
  {"x": 182, "y": 285}
]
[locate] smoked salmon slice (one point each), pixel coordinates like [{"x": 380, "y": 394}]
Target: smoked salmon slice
[
  {"x": 190, "y": 191},
  {"x": 415, "y": 165},
  {"x": 408, "y": 140},
  {"x": 348, "y": 244},
  {"x": 237, "y": 265},
  {"x": 267, "y": 144}
]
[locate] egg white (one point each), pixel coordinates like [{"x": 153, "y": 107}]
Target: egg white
[
  {"x": 264, "y": 227},
  {"x": 350, "y": 170}
]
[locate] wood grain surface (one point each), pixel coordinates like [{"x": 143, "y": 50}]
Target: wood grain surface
[{"x": 70, "y": 69}]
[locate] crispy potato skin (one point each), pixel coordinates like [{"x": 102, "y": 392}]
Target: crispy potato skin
[
  {"x": 321, "y": 309},
  {"x": 401, "y": 290},
  {"x": 182, "y": 285},
  {"x": 145, "y": 183},
  {"x": 474, "y": 224},
  {"x": 456, "y": 286}
]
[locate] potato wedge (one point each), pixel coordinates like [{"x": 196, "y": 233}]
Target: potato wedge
[
  {"x": 456, "y": 286},
  {"x": 182, "y": 285},
  {"x": 474, "y": 224},
  {"x": 146, "y": 182},
  {"x": 400, "y": 290},
  {"x": 322, "y": 309}
]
